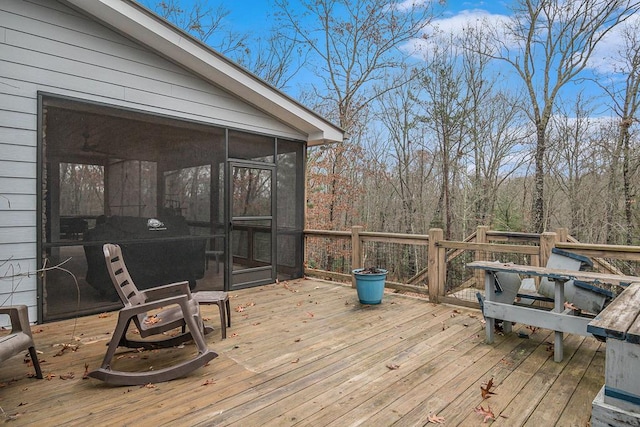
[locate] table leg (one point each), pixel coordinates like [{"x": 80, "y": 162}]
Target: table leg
[
  {"x": 489, "y": 294},
  {"x": 558, "y": 350}
]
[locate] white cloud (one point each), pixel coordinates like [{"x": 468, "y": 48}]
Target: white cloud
[
  {"x": 453, "y": 26},
  {"x": 609, "y": 53}
]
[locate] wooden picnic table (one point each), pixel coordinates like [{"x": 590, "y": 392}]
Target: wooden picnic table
[{"x": 559, "y": 319}]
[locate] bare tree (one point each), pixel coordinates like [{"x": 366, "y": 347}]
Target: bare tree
[
  {"x": 548, "y": 43},
  {"x": 399, "y": 113},
  {"x": 352, "y": 44},
  {"x": 626, "y": 102},
  {"x": 447, "y": 108},
  {"x": 494, "y": 123},
  {"x": 203, "y": 21},
  {"x": 572, "y": 156}
]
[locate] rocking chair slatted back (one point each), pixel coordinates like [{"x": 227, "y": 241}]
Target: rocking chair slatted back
[
  {"x": 128, "y": 292},
  {"x": 131, "y": 296}
]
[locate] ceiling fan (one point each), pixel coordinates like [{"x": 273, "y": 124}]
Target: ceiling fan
[{"x": 92, "y": 148}]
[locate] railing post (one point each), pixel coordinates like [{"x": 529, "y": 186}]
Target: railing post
[
  {"x": 563, "y": 234},
  {"x": 481, "y": 237},
  {"x": 356, "y": 251},
  {"x": 547, "y": 242},
  {"x": 436, "y": 265}
]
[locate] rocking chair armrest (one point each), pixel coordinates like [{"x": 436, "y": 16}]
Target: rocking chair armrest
[
  {"x": 134, "y": 310},
  {"x": 165, "y": 291}
]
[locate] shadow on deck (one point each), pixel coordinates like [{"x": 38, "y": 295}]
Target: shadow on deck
[{"x": 307, "y": 353}]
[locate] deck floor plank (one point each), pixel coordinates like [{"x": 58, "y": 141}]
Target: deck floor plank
[{"x": 306, "y": 352}]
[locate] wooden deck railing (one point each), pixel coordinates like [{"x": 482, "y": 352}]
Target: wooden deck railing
[{"x": 483, "y": 245}]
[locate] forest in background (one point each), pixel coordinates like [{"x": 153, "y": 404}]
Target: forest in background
[{"x": 504, "y": 123}]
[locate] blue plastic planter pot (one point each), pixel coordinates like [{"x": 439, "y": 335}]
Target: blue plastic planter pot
[{"x": 370, "y": 286}]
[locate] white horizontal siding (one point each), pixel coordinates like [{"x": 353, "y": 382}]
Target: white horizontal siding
[
  {"x": 17, "y": 234},
  {"x": 17, "y": 186},
  {"x": 17, "y": 153},
  {"x": 17, "y": 218},
  {"x": 17, "y": 169},
  {"x": 21, "y": 251},
  {"x": 18, "y": 202},
  {"x": 13, "y": 136}
]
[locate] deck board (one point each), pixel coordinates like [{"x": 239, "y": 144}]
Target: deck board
[{"x": 306, "y": 353}]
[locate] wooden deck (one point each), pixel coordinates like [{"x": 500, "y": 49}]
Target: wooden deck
[{"x": 307, "y": 353}]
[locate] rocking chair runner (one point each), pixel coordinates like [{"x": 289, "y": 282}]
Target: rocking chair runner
[{"x": 183, "y": 312}]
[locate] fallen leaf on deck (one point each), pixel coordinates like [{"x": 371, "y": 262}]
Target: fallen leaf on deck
[
  {"x": 49, "y": 376},
  {"x": 393, "y": 367},
  {"x": 239, "y": 309},
  {"x": 486, "y": 413},
  {"x": 486, "y": 391},
  {"x": 435, "y": 419},
  {"x": 64, "y": 348},
  {"x": 150, "y": 386},
  {"x": 295, "y": 360},
  {"x": 570, "y": 306},
  {"x": 209, "y": 382},
  {"x": 86, "y": 371},
  {"x": 104, "y": 315},
  {"x": 68, "y": 376},
  {"x": 152, "y": 320}
]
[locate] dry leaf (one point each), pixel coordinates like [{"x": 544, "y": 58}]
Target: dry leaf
[
  {"x": 208, "y": 382},
  {"x": 486, "y": 391},
  {"x": 150, "y": 386},
  {"x": 104, "y": 315},
  {"x": 49, "y": 376},
  {"x": 64, "y": 348},
  {"x": 86, "y": 371},
  {"x": 239, "y": 309},
  {"x": 570, "y": 306},
  {"x": 486, "y": 413},
  {"x": 152, "y": 320},
  {"x": 68, "y": 376},
  {"x": 393, "y": 367},
  {"x": 295, "y": 360},
  {"x": 435, "y": 419}
]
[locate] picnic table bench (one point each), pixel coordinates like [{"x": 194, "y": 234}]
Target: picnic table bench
[
  {"x": 559, "y": 319},
  {"x": 618, "y": 402}
]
